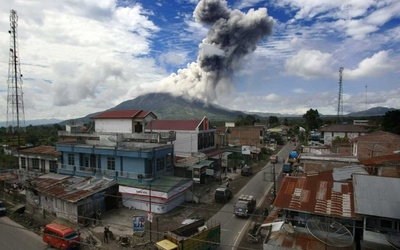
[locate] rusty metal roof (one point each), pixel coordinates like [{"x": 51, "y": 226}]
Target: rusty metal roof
[
  {"x": 344, "y": 128},
  {"x": 381, "y": 160},
  {"x": 41, "y": 150},
  {"x": 379, "y": 136},
  {"x": 70, "y": 188},
  {"x": 317, "y": 193}
]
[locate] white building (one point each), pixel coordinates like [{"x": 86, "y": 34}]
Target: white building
[{"x": 192, "y": 136}]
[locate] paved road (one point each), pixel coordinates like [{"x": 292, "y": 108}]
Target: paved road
[
  {"x": 16, "y": 237},
  {"x": 232, "y": 227}
]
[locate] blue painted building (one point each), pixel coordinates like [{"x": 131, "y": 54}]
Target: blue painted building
[{"x": 141, "y": 163}]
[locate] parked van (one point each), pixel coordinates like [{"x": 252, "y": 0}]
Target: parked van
[
  {"x": 223, "y": 195},
  {"x": 61, "y": 237}
]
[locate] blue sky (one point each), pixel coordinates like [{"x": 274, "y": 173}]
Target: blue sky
[{"x": 80, "y": 57}]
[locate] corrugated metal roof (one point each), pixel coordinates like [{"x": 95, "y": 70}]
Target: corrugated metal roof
[
  {"x": 345, "y": 173},
  {"x": 70, "y": 188},
  {"x": 380, "y": 160},
  {"x": 379, "y": 136},
  {"x": 117, "y": 114},
  {"x": 344, "y": 128},
  {"x": 41, "y": 150},
  {"x": 173, "y": 124},
  {"x": 316, "y": 193},
  {"x": 377, "y": 196},
  {"x": 298, "y": 240}
]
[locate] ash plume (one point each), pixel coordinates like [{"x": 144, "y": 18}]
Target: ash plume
[{"x": 232, "y": 35}]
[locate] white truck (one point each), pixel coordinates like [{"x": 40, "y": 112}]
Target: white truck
[{"x": 245, "y": 205}]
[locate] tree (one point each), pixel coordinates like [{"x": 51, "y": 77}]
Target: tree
[
  {"x": 391, "y": 122},
  {"x": 246, "y": 121},
  {"x": 312, "y": 119},
  {"x": 286, "y": 121},
  {"x": 273, "y": 121}
]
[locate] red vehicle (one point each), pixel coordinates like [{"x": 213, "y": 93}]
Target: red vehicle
[{"x": 61, "y": 236}]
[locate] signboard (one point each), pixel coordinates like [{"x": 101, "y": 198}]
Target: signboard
[
  {"x": 150, "y": 216},
  {"x": 138, "y": 223},
  {"x": 246, "y": 150}
]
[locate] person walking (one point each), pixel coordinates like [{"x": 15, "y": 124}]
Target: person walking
[
  {"x": 227, "y": 183},
  {"x": 105, "y": 235}
]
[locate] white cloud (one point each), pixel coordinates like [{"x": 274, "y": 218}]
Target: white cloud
[
  {"x": 177, "y": 57},
  {"x": 91, "y": 52},
  {"x": 379, "y": 64},
  {"x": 309, "y": 64}
]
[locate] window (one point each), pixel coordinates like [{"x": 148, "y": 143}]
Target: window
[
  {"x": 53, "y": 166},
  {"x": 35, "y": 163},
  {"x": 205, "y": 140},
  {"x": 110, "y": 163},
  {"x": 23, "y": 162},
  {"x": 43, "y": 164},
  {"x": 160, "y": 164},
  {"x": 71, "y": 159},
  {"x": 86, "y": 161},
  {"x": 169, "y": 160}
]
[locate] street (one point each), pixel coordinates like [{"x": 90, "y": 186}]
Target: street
[
  {"x": 233, "y": 228},
  {"x": 16, "y": 237}
]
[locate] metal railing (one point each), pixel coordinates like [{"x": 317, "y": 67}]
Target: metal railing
[{"x": 115, "y": 174}]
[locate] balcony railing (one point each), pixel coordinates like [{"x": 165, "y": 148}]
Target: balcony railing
[{"x": 106, "y": 172}]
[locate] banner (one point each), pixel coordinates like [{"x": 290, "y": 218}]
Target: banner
[{"x": 139, "y": 223}]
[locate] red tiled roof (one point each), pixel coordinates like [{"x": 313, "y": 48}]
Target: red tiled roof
[
  {"x": 173, "y": 124},
  {"x": 380, "y": 160},
  {"x": 343, "y": 128},
  {"x": 117, "y": 114},
  {"x": 41, "y": 150},
  {"x": 379, "y": 136},
  {"x": 317, "y": 193}
]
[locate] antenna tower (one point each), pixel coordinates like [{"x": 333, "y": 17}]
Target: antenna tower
[
  {"x": 15, "y": 102},
  {"x": 340, "y": 98}
]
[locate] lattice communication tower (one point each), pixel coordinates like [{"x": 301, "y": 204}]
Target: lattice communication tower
[
  {"x": 15, "y": 101},
  {"x": 340, "y": 97}
]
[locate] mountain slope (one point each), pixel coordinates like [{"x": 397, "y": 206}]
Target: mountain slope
[
  {"x": 377, "y": 111},
  {"x": 167, "y": 106}
]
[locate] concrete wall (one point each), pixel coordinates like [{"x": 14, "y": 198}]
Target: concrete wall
[
  {"x": 113, "y": 125},
  {"x": 248, "y": 135}
]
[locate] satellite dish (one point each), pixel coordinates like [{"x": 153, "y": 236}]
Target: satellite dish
[{"x": 329, "y": 231}]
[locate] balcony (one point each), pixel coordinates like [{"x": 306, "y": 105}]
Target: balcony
[{"x": 112, "y": 174}]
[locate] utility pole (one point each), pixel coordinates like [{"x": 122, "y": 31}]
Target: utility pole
[
  {"x": 150, "y": 215},
  {"x": 273, "y": 172}
]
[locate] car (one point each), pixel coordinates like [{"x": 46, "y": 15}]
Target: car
[
  {"x": 223, "y": 195},
  {"x": 246, "y": 171},
  {"x": 273, "y": 159},
  {"x": 3, "y": 209}
]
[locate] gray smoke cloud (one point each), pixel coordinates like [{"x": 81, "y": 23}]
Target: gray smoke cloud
[{"x": 232, "y": 35}]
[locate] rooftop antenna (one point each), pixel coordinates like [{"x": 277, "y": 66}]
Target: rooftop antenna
[
  {"x": 15, "y": 102},
  {"x": 340, "y": 98}
]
